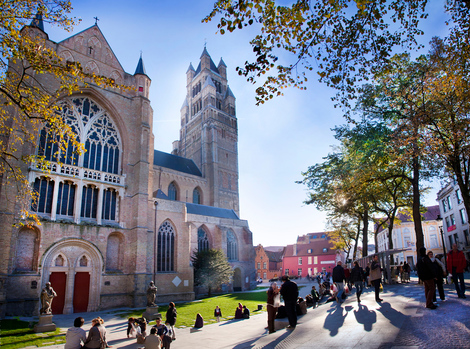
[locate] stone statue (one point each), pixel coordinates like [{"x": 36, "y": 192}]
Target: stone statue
[
  {"x": 151, "y": 294},
  {"x": 47, "y": 295}
]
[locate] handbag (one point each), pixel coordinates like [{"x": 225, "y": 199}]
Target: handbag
[{"x": 277, "y": 301}]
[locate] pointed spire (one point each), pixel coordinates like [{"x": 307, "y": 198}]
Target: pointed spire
[
  {"x": 229, "y": 93},
  {"x": 37, "y": 21},
  {"x": 222, "y": 63},
  {"x": 140, "y": 67},
  {"x": 204, "y": 52},
  {"x": 190, "y": 67}
]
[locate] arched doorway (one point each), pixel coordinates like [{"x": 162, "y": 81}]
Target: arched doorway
[
  {"x": 237, "y": 279},
  {"x": 73, "y": 266}
]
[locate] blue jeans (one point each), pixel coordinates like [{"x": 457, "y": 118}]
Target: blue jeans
[
  {"x": 358, "y": 285},
  {"x": 456, "y": 277},
  {"x": 340, "y": 287}
]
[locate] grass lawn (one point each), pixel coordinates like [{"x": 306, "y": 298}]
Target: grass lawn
[
  {"x": 227, "y": 303},
  {"x": 17, "y": 334}
]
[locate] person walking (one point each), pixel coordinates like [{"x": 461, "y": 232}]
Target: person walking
[
  {"x": 273, "y": 303},
  {"x": 456, "y": 263},
  {"x": 315, "y": 296},
  {"x": 376, "y": 276},
  {"x": 439, "y": 271},
  {"x": 426, "y": 274},
  {"x": 171, "y": 318},
  {"x": 290, "y": 292},
  {"x": 338, "y": 279},
  {"x": 357, "y": 277}
]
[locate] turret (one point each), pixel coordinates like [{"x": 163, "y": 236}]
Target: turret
[
  {"x": 142, "y": 79},
  {"x": 190, "y": 74},
  {"x": 222, "y": 68}
]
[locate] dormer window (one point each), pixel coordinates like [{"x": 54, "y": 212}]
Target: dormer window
[
  {"x": 309, "y": 250},
  {"x": 325, "y": 250}
]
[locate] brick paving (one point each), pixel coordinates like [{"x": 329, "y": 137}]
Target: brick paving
[{"x": 400, "y": 321}]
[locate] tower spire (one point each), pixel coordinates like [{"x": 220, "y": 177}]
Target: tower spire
[
  {"x": 140, "y": 66},
  {"x": 37, "y": 21}
]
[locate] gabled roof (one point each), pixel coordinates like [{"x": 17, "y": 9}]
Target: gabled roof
[
  {"x": 316, "y": 246},
  {"x": 211, "y": 211},
  {"x": 176, "y": 163},
  {"x": 63, "y": 42},
  {"x": 275, "y": 256},
  {"x": 405, "y": 216}
]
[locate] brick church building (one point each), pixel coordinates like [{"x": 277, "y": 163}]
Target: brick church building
[{"x": 122, "y": 213}]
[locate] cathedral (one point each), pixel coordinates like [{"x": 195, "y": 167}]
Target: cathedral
[{"x": 122, "y": 213}]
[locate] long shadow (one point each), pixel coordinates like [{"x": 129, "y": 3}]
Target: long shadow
[
  {"x": 365, "y": 317},
  {"x": 335, "y": 318},
  {"x": 395, "y": 317},
  {"x": 249, "y": 343}
]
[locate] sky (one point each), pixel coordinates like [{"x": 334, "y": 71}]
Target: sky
[{"x": 277, "y": 140}]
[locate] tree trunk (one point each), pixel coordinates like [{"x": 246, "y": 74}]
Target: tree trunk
[
  {"x": 357, "y": 238},
  {"x": 416, "y": 207},
  {"x": 365, "y": 233},
  {"x": 209, "y": 291}
]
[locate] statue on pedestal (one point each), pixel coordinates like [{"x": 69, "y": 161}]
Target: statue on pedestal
[
  {"x": 151, "y": 294},
  {"x": 47, "y": 295}
]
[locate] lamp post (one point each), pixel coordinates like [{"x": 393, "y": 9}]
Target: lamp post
[{"x": 439, "y": 219}]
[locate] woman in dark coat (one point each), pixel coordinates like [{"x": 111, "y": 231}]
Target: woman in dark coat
[{"x": 171, "y": 318}]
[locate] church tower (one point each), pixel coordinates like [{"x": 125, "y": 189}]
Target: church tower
[{"x": 209, "y": 133}]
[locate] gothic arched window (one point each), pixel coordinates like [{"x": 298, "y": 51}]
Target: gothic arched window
[
  {"x": 83, "y": 262},
  {"x": 172, "y": 191},
  {"x": 196, "y": 196},
  {"x": 109, "y": 204},
  {"x": 59, "y": 261},
  {"x": 202, "y": 240},
  {"x": 166, "y": 248},
  {"x": 66, "y": 199},
  {"x": 44, "y": 188},
  {"x": 232, "y": 246},
  {"x": 89, "y": 202}
]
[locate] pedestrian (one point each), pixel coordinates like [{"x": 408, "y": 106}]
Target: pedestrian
[
  {"x": 456, "y": 263},
  {"x": 76, "y": 335},
  {"x": 290, "y": 292},
  {"x": 217, "y": 313},
  {"x": 199, "y": 321},
  {"x": 273, "y": 303},
  {"x": 171, "y": 314},
  {"x": 367, "y": 273},
  {"x": 406, "y": 272},
  {"x": 347, "y": 277},
  {"x": 357, "y": 277},
  {"x": 315, "y": 296},
  {"x": 338, "y": 279},
  {"x": 376, "y": 276},
  {"x": 426, "y": 274},
  {"x": 152, "y": 341},
  {"x": 439, "y": 271},
  {"x": 131, "y": 328},
  {"x": 163, "y": 332},
  {"x": 96, "y": 336}
]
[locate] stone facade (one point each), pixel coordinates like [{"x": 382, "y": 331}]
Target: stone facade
[{"x": 124, "y": 214}]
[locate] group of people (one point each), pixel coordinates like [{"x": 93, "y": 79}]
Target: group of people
[
  {"x": 77, "y": 338},
  {"x": 241, "y": 312},
  {"x": 431, "y": 272},
  {"x": 290, "y": 293}
]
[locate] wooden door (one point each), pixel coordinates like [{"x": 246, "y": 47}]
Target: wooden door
[
  {"x": 81, "y": 292},
  {"x": 58, "y": 282}
]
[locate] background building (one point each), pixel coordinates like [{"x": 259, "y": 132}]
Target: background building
[
  {"x": 268, "y": 262},
  {"x": 123, "y": 214},
  {"x": 454, "y": 218},
  {"x": 404, "y": 237},
  {"x": 312, "y": 254}
]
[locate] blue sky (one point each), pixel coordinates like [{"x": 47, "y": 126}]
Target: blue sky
[{"x": 277, "y": 140}]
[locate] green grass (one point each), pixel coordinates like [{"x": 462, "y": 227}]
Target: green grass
[
  {"x": 227, "y": 303},
  {"x": 17, "y": 334}
]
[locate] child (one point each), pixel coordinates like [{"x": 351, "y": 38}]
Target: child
[{"x": 217, "y": 313}]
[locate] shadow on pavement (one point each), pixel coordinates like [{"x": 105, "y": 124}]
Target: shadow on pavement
[
  {"x": 273, "y": 344},
  {"x": 395, "y": 317},
  {"x": 335, "y": 318},
  {"x": 365, "y": 317}
]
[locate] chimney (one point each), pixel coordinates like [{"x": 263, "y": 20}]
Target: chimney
[{"x": 295, "y": 249}]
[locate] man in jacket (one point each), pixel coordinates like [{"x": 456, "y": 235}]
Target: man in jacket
[
  {"x": 456, "y": 263},
  {"x": 76, "y": 335},
  {"x": 338, "y": 278},
  {"x": 290, "y": 292},
  {"x": 426, "y": 274},
  {"x": 357, "y": 276},
  {"x": 376, "y": 276}
]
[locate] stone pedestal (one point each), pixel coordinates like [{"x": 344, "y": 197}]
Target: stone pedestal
[
  {"x": 45, "y": 324},
  {"x": 151, "y": 313}
]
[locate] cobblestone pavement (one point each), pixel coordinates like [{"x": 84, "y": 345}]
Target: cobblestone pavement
[{"x": 400, "y": 321}]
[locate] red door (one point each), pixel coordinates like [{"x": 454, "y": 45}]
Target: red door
[
  {"x": 58, "y": 281},
  {"x": 81, "y": 291}
]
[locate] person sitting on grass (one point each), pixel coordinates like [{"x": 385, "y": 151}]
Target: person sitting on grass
[
  {"x": 246, "y": 312},
  {"x": 199, "y": 321}
]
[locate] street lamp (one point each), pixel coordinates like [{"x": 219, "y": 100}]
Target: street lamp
[{"x": 439, "y": 219}]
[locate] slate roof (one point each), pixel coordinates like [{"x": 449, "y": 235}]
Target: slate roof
[
  {"x": 140, "y": 67},
  {"x": 316, "y": 246},
  {"x": 38, "y": 22},
  {"x": 211, "y": 211},
  {"x": 275, "y": 256},
  {"x": 176, "y": 163},
  {"x": 213, "y": 67},
  {"x": 405, "y": 216},
  {"x": 229, "y": 93}
]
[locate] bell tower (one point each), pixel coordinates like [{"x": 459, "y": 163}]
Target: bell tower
[{"x": 209, "y": 133}]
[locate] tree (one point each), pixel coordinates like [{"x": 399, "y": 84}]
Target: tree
[
  {"x": 27, "y": 105},
  {"x": 343, "y": 41},
  {"x": 211, "y": 269}
]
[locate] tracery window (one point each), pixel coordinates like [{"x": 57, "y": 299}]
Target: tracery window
[
  {"x": 196, "y": 196},
  {"x": 109, "y": 204},
  {"x": 232, "y": 246},
  {"x": 172, "y": 191},
  {"x": 166, "y": 248},
  {"x": 66, "y": 199},
  {"x": 202, "y": 240},
  {"x": 44, "y": 187},
  {"x": 89, "y": 202}
]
